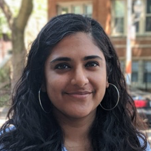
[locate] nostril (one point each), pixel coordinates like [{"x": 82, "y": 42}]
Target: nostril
[
  {"x": 80, "y": 82},
  {"x": 79, "y": 77}
]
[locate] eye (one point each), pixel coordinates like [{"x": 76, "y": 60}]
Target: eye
[
  {"x": 92, "y": 64},
  {"x": 62, "y": 66}
]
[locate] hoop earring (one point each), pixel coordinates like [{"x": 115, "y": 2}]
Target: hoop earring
[
  {"x": 118, "y": 97},
  {"x": 40, "y": 102}
]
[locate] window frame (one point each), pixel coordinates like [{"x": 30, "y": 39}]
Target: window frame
[
  {"x": 71, "y": 5},
  {"x": 113, "y": 19},
  {"x": 142, "y": 26},
  {"x": 148, "y": 72},
  {"x": 135, "y": 70},
  {"x": 146, "y": 15}
]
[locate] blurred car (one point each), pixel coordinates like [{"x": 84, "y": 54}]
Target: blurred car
[{"x": 142, "y": 101}]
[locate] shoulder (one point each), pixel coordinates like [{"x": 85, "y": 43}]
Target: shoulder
[
  {"x": 11, "y": 128},
  {"x": 148, "y": 148},
  {"x": 7, "y": 129},
  {"x": 64, "y": 149}
]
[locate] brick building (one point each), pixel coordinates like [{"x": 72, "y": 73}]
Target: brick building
[{"x": 112, "y": 14}]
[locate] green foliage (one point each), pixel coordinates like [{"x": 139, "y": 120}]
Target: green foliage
[
  {"x": 5, "y": 90},
  {"x": 40, "y": 8},
  {"x": 3, "y": 25},
  {"x": 4, "y": 74},
  {"x": 4, "y": 99},
  {"x": 14, "y": 6}
]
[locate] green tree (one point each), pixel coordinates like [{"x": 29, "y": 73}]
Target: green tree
[{"x": 17, "y": 26}]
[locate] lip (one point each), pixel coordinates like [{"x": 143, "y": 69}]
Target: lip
[{"x": 79, "y": 94}]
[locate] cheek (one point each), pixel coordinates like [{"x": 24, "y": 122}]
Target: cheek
[
  {"x": 52, "y": 88},
  {"x": 100, "y": 77},
  {"x": 99, "y": 81},
  {"x": 55, "y": 84}
]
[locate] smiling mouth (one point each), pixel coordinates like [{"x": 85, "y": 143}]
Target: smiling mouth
[{"x": 83, "y": 94}]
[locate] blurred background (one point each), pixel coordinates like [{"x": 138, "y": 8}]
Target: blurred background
[{"x": 127, "y": 22}]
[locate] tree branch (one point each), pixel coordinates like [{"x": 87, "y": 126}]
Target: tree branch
[
  {"x": 24, "y": 14},
  {"x": 7, "y": 12}
]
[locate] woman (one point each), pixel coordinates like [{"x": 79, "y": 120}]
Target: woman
[{"x": 72, "y": 94}]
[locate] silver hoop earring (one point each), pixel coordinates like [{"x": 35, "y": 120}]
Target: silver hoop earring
[
  {"x": 118, "y": 98},
  {"x": 41, "y": 102}
]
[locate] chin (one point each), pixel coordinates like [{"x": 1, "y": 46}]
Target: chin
[{"x": 81, "y": 114}]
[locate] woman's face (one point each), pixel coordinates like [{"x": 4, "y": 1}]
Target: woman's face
[{"x": 76, "y": 77}]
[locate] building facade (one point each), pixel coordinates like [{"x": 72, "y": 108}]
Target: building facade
[{"x": 112, "y": 14}]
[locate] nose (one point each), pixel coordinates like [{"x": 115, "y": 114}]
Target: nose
[{"x": 79, "y": 78}]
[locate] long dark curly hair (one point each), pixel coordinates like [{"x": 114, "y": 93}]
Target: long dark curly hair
[{"x": 34, "y": 130}]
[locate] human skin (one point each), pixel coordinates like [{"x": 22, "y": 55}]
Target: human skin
[{"x": 75, "y": 77}]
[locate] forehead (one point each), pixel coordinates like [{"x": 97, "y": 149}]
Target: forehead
[{"x": 76, "y": 45}]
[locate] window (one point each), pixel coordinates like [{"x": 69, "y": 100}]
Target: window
[
  {"x": 135, "y": 71},
  {"x": 137, "y": 9},
  {"x": 88, "y": 10},
  {"x": 118, "y": 17},
  {"x": 148, "y": 16},
  {"x": 81, "y": 8},
  {"x": 147, "y": 72},
  {"x": 77, "y": 9},
  {"x": 63, "y": 10},
  {"x": 141, "y": 16}
]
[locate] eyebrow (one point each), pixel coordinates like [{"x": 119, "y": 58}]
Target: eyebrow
[
  {"x": 69, "y": 59},
  {"x": 61, "y": 59},
  {"x": 92, "y": 57}
]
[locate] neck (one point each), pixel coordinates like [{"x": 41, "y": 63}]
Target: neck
[{"x": 76, "y": 132}]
